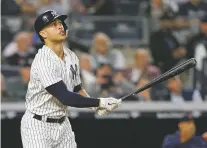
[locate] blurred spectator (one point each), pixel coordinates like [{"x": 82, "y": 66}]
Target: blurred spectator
[
  {"x": 109, "y": 83},
  {"x": 104, "y": 81},
  {"x": 203, "y": 79},
  {"x": 15, "y": 9},
  {"x": 185, "y": 137},
  {"x": 181, "y": 30},
  {"x": 143, "y": 66},
  {"x": 157, "y": 8},
  {"x": 20, "y": 51},
  {"x": 100, "y": 7},
  {"x": 199, "y": 38},
  {"x": 200, "y": 54},
  {"x": 56, "y": 5},
  {"x": 146, "y": 94},
  {"x": 25, "y": 74},
  {"x": 103, "y": 52},
  {"x": 123, "y": 86},
  {"x": 197, "y": 48},
  {"x": 193, "y": 9},
  {"x": 18, "y": 7},
  {"x": 77, "y": 6},
  {"x": 3, "y": 86},
  {"x": 201, "y": 47},
  {"x": 178, "y": 94},
  {"x": 87, "y": 75},
  {"x": 174, "y": 5},
  {"x": 165, "y": 48}
]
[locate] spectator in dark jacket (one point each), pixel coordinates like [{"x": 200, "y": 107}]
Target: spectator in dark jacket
[
  {"x": 200, "y": 38},
  {"x": 166, "y": 51},
  {"x": 185, "y": 137},
  {"x": 193, "y": 9}
]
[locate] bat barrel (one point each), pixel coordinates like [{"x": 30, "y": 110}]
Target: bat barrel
[{"x": 167, "y": 75}]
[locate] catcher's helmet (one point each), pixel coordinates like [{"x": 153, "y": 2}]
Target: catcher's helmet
[{"x": 46, "y": 18}]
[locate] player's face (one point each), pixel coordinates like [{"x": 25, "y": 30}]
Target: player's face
[
  {"x": 187, "y": 127},
  {"x": 54, "y": 31},
  {"x": 101, "y": 45},
  {"x": 175, "y": 84}
]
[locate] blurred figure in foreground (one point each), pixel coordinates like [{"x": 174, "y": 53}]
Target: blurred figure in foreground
[
  {"x": 166, "y": 50},
  {"x": 185, "y": 137},
  {"x": 103, "y": 52},
  {"x": 178, "y": 94}
]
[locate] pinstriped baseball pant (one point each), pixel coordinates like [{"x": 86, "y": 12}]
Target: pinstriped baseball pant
[{"x": 40, "y": 134}]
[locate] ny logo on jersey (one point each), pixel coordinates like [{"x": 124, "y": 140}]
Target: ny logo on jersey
[{"x": 74, "y": 71}]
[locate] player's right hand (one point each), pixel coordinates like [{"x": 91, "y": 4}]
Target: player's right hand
[{"x": 109, "y": 103}]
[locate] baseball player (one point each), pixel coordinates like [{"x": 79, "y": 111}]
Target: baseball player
[{"x": 54, "y": 85}]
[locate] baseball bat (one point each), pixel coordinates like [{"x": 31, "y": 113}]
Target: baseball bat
[{"x": 167, "y": 75}]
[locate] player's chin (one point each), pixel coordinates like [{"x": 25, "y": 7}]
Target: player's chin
[{"x": 62, "y": 37}]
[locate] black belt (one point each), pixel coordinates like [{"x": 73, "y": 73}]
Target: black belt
[{"x": 50, "y": 120}]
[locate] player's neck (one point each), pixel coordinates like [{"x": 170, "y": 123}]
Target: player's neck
[{"x": 57, "y": 48}]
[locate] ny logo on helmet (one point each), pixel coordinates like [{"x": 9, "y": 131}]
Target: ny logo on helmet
[
  {"x": 45, "y": 19},
  {"x": 54, "y": 14}
]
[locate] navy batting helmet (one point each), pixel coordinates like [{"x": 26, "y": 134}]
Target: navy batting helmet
[{"x": 46, "y": 18}]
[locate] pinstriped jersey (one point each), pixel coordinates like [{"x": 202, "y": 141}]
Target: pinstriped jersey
[{"x": 47, "y": 69}]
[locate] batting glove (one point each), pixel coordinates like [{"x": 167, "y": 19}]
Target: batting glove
[{"x": 107, "y": 105}]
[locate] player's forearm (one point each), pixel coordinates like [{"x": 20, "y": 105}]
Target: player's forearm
[
  {"x": 84, "y": 93},
  {"x": 68, "y": 98}
]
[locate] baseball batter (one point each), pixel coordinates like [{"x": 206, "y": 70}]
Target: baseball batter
[{"x": 54, "y": 85}]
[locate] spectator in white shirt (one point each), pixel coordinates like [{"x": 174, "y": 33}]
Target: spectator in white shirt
[
  {"x": 201, "y": 48},
  {"x": 143, "y": 66},
  {"x": 87, "y": 75},
  {"x": 103, "y": 52},
  {"x": 22, "y": 40}
]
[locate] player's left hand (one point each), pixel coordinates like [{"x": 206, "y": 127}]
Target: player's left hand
[{"x": 103, "y": 112}]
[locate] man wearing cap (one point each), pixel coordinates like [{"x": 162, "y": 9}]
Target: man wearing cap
[
  {"x": 197, "y": 48},
  {"x": 54, "y": 85},
  {"x": 185, "y": 136},
  {"x": 195, "y": 41},
  {"x": 165, "y": 48}
]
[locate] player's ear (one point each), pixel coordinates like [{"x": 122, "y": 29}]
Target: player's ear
[{"x": 43, "y": 34}]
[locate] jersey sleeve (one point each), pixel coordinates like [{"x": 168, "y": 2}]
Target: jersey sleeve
[{"x": 48, "y": 72}]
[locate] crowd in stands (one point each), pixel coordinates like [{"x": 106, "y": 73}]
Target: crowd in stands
[{"x": 178, "y": 32}]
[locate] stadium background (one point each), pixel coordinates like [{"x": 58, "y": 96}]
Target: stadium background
[{"x": 138, "y": 51}]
